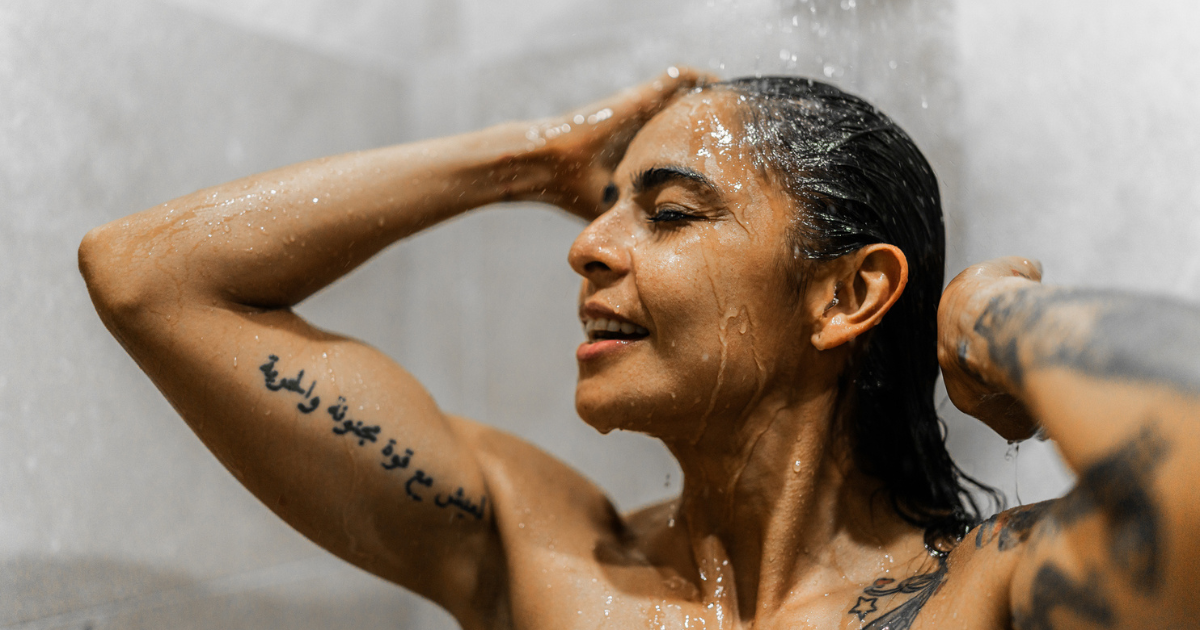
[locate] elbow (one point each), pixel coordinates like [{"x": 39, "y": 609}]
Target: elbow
[{"x": 114, "y": 282}]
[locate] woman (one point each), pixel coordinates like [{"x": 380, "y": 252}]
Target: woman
[{"x": 746, "y": 241}]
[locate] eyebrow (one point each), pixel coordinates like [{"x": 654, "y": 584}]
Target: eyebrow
[{"x": 656, "y": 176}]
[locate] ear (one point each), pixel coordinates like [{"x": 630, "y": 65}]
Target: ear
[{"x": 858, "y": 292}]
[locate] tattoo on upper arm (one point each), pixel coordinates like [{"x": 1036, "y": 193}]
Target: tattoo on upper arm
[
  {"x": 1011, "y": 528},
  {"x": 922, "y": 587},
  {"x": 1146, "y": 338},
  {"x": 1119, "y": 489},
  {"x": 362, "y": 433},
  {"x": 1052, "y": 590}
]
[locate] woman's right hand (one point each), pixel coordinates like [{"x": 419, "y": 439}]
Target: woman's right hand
[{"x": 582, "y": 148}]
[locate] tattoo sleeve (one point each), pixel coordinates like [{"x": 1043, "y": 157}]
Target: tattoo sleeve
[
  {"x": 1010, "y": 529},
  {"x": 1101, "y": 333},
  {"x": 1118, "y": 488}
]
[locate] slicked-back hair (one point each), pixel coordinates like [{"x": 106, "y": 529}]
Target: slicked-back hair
[{"x": 857, "y": 179}]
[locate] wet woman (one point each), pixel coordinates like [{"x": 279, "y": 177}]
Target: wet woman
[{"x": 761, "y": 281}]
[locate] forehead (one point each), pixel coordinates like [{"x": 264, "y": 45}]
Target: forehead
[{"x": 701, "y": 131}]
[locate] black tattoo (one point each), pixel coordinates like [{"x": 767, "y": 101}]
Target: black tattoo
[
  {"x": 1146, "y": 338},
  {"x": 395, "y": 460},
  {"x": 902, "y": 616},
  {"x": 363, "y": 432},
  {"x": 419, "y": 478},
  {"x": 1011, "y": 528},
  {"x": 462, "y": 503},
  {"x": 289, "y": 384},
  {"x": 863, "y": 607},
  {"x": 1118, "y": 488},
  {"x": 1054, "y": 590}
]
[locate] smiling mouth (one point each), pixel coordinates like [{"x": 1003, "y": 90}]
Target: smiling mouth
[{"x": 603, "y": 328}]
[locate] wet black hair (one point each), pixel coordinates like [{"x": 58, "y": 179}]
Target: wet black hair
[{"x": 858, "y": 179}]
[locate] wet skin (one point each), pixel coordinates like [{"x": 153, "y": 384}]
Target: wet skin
[{"x": 728, "y": 363}]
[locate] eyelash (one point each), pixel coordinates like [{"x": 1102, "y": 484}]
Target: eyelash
[{"x": 670, "y": 215}]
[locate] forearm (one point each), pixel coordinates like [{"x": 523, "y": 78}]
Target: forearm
[
  {"x": 272, "y": 239},
  {"x": 1092, "y": 366}
]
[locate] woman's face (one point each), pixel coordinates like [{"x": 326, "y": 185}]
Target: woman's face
[{"x": 690, "y": 264}]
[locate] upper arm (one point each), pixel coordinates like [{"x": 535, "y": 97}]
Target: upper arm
[
  {"x": 333, "y": 436},
  {"x": 1116, "y": 551}
]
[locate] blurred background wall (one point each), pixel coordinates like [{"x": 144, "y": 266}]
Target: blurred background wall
[{"x": 1065, "y": 131}]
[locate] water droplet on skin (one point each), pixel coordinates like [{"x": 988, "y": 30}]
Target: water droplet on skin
[{"x": 796, "y": 466}]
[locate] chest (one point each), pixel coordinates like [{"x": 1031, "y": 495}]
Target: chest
[{"x": 564, "y": 590}]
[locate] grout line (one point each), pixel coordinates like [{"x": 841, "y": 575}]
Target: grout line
[{"x": 286, "y": 573}]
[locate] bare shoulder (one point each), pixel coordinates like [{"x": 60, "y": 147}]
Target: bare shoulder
[
  {"x": 532, "y": 489},
  {"x": 1010, "y": 529},
  {"x": 990, "y": 553},
  {"x": 975, "y": 585},
  {"x": 968, "y": 588}
]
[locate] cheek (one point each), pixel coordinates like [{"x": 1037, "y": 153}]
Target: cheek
[{"x": 718, "y": 294}]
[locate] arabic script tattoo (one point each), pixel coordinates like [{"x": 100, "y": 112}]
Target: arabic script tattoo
[{"x": 361, "y": 432}]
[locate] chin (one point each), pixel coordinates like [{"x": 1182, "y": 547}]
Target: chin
[
  {"x": 606, "y": 409},
  {"x": 600, "y": 412}
]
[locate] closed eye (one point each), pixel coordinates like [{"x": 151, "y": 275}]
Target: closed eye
[{"x": 670, "y": 215}]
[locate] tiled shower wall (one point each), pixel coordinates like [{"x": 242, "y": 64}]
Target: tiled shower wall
[{"x": 1065, "y": 132}]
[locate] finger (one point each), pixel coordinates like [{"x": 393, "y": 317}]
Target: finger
[
  {"x": 1008, "y": 266},
  {"x": 640, "y": 103}
]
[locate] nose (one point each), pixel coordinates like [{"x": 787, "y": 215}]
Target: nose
[{"x": 601, "y": 252}]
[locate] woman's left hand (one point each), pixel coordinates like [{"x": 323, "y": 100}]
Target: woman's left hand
[{"x": 976, "y": 386}]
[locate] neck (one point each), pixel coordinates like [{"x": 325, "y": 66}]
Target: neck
[{"x": 771, "y": 499}]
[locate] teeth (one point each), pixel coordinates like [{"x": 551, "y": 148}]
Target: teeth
[{"x": 612, "y": 325}]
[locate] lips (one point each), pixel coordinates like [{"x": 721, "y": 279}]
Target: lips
[
  {"x": 607, "y": 332},
  {"x": 606, "y": 328}
]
